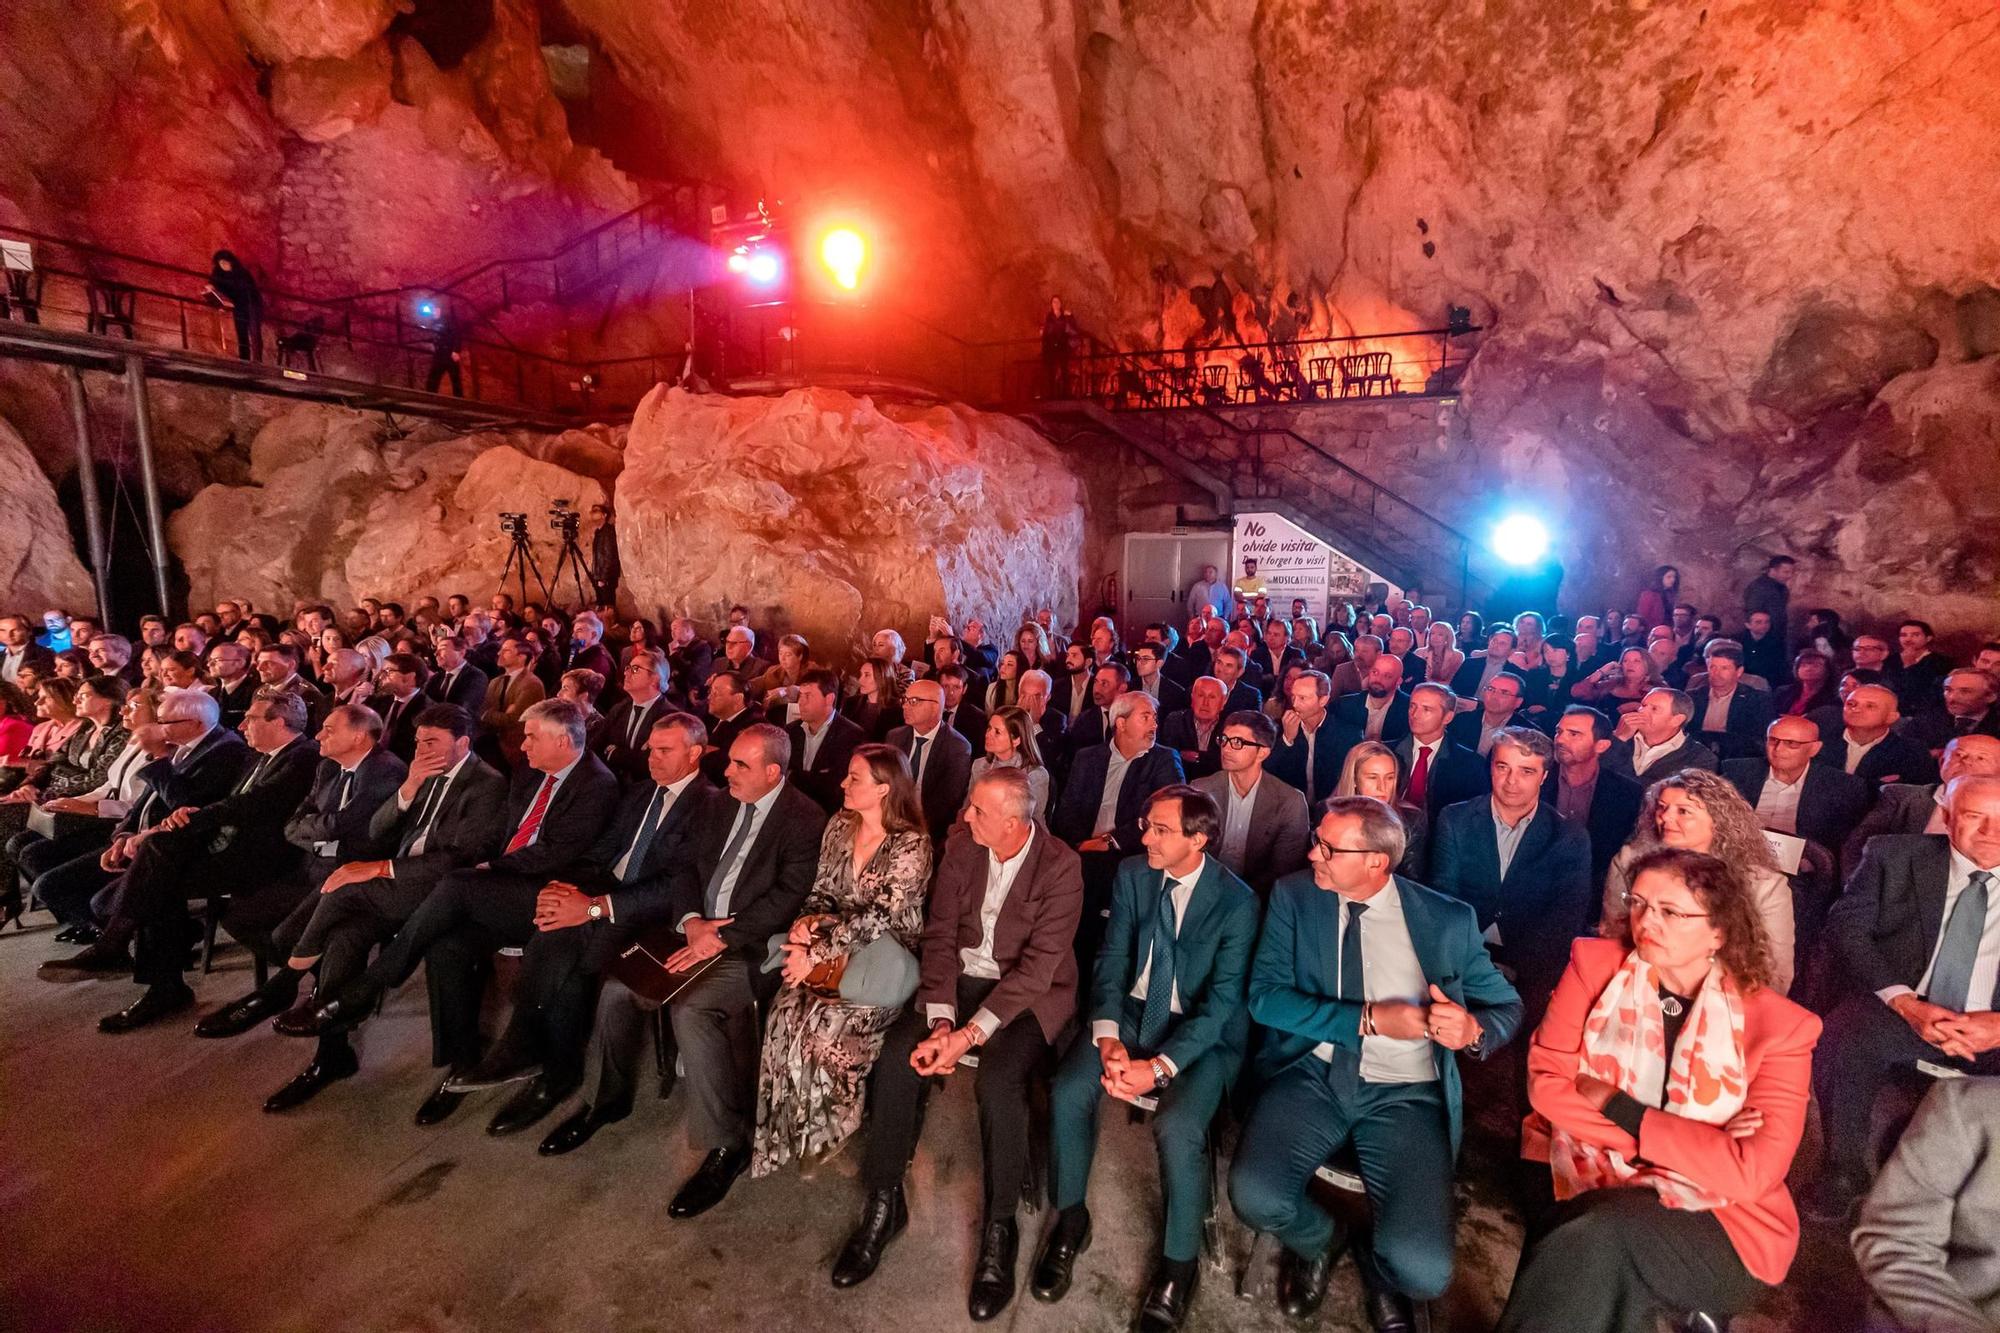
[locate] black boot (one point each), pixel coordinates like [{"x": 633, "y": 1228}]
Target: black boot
[
  {"x": 993, "y": 1274},
  {"x": 883, "y": 1217}
]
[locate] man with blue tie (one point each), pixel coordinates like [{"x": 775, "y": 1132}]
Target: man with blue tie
[
  {"x": 1168, "y": 1022},
  {"x": 1368, "y": 985},
  {"x": 1918, "y": 934}
]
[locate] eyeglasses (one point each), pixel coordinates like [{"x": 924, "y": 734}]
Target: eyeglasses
[
  {"x": 1238, "y": 743},
  {"x": 1634, "y": 905},
  {"x": 1328, "y": 849}
]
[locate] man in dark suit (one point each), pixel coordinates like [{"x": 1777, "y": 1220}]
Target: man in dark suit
[
  {"x": 1108, "y": 680},
  {"x": 1380, "y": 711},
  {"x": 239, "y": 838},
  {"x": 1098, "y": 813},
  {"x": 1169, "y": 1021},
  {"x": 557, "y": 806},
  {"x": 823, "y": 740},
  {"x": 1867, "y": 744},
  {"x": 457, "y": 681},
  {"x": 232, "y": 682},
  {"x": 18, "y": 648},
  {"x": 1652, "y": 742},
  {"x": 1231, "y": 663},
  {"x": 622, "y": 738},
  {"x": 961, "y": 714},
  {"x": 1265, "y": 825},
  {"x": 581, "y": 924},
  {"x": 753, "y": 863},
  {"x": 277, "y": 667},
  {"x": 940, "y": 759},
  {"x": 997, "y": 976},
  {"x": 1729, "y": 716},
  {"x": 1051, "y": 723},
  {"x": 1582, "y": 791},
  {"x": 689, "y": 654},
  {"x": 730, "y": 713},
  {"x": 1916, "y": 935},
  {"x": 1792, "y": 794},
  {"x": 1917, "y": 807},
  {"x": 1434, "y": 770},
  {"x": 400, "y": 700},
  {"x": 356, "y": 774},
  {"x": 1968, "y": 710},
  {"x": 586, "y": 652},
  {"x": 1195, "y": 732},
  {"x": 1362, "y": 1024},
  {"x": 1499, "y": 708},
  {"x": 739, "y": 654},
  {"x": 449, "y": 812},
  {"x": 1149, "y": 661},
  {"x": 1522, "y": 867},
  {"x": 1312, "y": 742}
]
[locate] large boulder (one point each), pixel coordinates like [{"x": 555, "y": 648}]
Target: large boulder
[
  {"x": 38, "y": 565},
  {"x": 344, "y": 508},
  {"x": 320, "y": 100},
  {"x": 833, "y": 516},
  {"x": 278, "y": 31}
]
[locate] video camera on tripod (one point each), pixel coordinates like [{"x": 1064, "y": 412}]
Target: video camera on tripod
[{"x": 564, "y": 519}]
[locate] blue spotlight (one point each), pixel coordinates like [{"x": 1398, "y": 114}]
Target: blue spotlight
[
  {"x": 763, "y": 268},
  {"x": 427, "y": 310},
  {"x": 1520, "y": 540}
]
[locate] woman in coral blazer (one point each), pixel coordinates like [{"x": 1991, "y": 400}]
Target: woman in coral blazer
[{"x": 1669, "y": 1083}]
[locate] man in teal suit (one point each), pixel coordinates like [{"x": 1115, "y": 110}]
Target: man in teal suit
[
  {"x": 1368, "y": 985},
  {"x": 1168, "y": 1022}
]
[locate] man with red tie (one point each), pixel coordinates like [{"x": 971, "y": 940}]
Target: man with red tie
[{"x": 558, "y": 805}]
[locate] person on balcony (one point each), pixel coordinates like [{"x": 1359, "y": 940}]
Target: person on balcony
[{"x": 232, "y": 287}]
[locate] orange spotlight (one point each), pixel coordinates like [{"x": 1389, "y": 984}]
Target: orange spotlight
[{"x": 843, "y": 252}]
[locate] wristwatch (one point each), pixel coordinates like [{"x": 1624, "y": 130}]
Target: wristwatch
[
  {"x": 596, "y": 909},
  {"x": 1161, "y": 1074}
]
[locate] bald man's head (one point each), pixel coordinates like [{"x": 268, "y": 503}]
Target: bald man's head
[
  {"x": 1789, "y": 745},
  {"x": 1870, "y": 711},
  {"x": 1972, "y": 756}
]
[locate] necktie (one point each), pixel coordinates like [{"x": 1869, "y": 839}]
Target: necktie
[
  {"x": 533, "y": 823},
  {"x": 638, "y": 719},
  {"x": 729, "y": 855},
  {"x": 1964, "y": 725},
  {"x": 1160, "y": 980},
  {"x": 428, "y": 799},
  {"x": 917, "y": 759},
  {"x": 635, "y": 855},
  {"x": 1420, "y": 778},
  {"x": 1958, "y": 951},
  {"x": 1351, "y": 988},
  {"x": 1311, "y": 737},
  {"x": 944, "y": 721},
  {"x": 346, "y": 790},
  {"x": 256, "y": 771}
]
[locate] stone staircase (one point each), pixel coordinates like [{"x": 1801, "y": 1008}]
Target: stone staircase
[{"x": 1273, "y": 469}]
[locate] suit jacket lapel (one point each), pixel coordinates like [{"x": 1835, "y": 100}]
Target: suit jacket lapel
[
  {"x": 1930, "y": 869},
  {"x": 1416, "y": 920},
  {"x": 1541, "y": 831}
]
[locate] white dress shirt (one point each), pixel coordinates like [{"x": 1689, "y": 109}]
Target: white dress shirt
[
  {"x": 673, "y": 792},
  {"x": 561, "y": 775},
  {"x": 1236, "y": 823},
  {"x": 929, "y": 739},
  {"x": 978, "y": 961},
  {"x": 1390, "y": 971},
  {"x": 1114, "y": 782},
  {"x": 1986, "y": 964},
  {"x": 814, "y": 739},
  {"x": 1856, "y": 750},
  {"x": 1778, "y": 803},
  {"x": 1644, "y": 755},
  {"x": 1377, "y": 712},
  {"x": 1181, "y": 892},
  {"x": 758, "y": 811},
  {"x": 1717, "y": 716}
]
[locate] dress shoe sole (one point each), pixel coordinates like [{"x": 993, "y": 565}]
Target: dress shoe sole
[{"x": 488, "y": 1084}]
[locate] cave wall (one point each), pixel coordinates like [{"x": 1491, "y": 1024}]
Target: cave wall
[{"x": 1733, "y": 259}]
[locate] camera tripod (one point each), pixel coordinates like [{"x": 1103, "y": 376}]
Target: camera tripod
[
  {"x": 520, "y": 561},
  {"x": 571, "y": 559}
]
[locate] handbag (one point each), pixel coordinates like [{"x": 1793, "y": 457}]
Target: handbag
[{"x": 880, "y": 974}]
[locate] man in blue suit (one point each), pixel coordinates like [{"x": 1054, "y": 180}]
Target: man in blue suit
[
  {"x": 1169, "y": 1021},
  {"x": 1368, "y": 984}
]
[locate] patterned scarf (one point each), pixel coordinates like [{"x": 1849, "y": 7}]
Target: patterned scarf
[{"x": 1624, "y": 1043}]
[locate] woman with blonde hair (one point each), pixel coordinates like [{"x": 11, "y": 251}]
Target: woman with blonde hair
[
  {"x": 1440, "y": 654},
  {"x": 874, "y": 867},
  {"x": 1623, "y": 683},
  {"x": 1370, "y": 770},
  {"x": 1032, "y": 642},
  {"x": 1698, "y": 811}
]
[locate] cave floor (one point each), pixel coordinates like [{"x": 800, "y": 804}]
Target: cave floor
[{"x": 141, "y": 1188}]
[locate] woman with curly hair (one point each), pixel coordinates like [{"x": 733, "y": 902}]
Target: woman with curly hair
[
  {"x": 1618, "y": 687},
  {"x": 1699, "y": 811}
]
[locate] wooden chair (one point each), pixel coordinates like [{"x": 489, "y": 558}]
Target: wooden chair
[{"x": 111, "y": 306}]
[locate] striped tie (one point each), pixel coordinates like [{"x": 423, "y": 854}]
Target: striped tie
[{"x": 533, "y": 823}]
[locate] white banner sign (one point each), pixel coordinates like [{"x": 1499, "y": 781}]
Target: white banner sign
[{"x": 1291, "y": 561}]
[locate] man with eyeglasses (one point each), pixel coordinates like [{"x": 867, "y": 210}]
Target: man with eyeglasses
[
  {"x": 1367, "y": 985},
  {"x": 1265, "y": 824},
  {"x": 1149, "y": 658},
  {"x": 1794, "y": 795},
  {"x": 630, "y": 721}
]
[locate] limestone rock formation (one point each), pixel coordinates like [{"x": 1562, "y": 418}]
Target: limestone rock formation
[
  {"x": 833, "y": 516},
  {"x": 320, "y": 100},
  {"x": 37, "y": 566},
  {"x": 340, "y": 508},
  {"x": 281, "y": 30}
]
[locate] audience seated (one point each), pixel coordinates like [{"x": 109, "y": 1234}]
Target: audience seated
[
  {"x": 1381, "y": 710},
  {"x": 1729, "y": 714},
  {"x": 1585, "y": 792},
  {"x": 1370, "y": 770},
  {"x": 1791, "y": 794},
  {"x": 1195, "y": 732},
  {"x": 1436, "y": 770},
  {"x": 1652, "y": 742},
  {"x": 1499, "y": 704},
  {"x": 1918, "y": 807},
  {"x": 1264, "y": 828},
  {"x": 1313, "y": 741},
  {"x": 1967, "y": 710},
  {"x": 1366, "y": 986},
  {"x": 1916, "y": 937},
  {"x": 1669, "y": 1083},
  {"x": 628, "y": 724},
  {"x": 1864, "y": 741},
  {"x": 940, "y": 758},
  {"x": 1009, "y": 742},
  {"x": 823, "y": 739}
]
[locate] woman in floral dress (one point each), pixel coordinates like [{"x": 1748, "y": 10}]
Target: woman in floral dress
[{"x": 874, "y": 871}]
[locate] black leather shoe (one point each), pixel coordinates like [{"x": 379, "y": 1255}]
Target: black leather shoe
[
  {"x": 235, "y": 1019},
  {"x": 438, "y": 1106},
  {"x": 161, "y": 1001},
  {"x": 1302, "y": 1282},
  {"x": 71, "y": 935},
  {"x": 1167, "y": 1299},
  {"x": 993, "y": 1273},
  {"x": 105, "y": 958},
  {"x": 305, "y": 1085},
  {"x": 574, "y": 1132},
  {"x": 528, "y": 1106},
  {"x": 710, "y": 1183},
  {"x": 497, "y": 1070},
  {"x": 345, "y": 1011},
  {"x": 883, "y": 1217},
  {"x": 1069, "y": 1237},
  {"x": 1388, "y": 1311},
  {"x": 298, "y": 1020}
]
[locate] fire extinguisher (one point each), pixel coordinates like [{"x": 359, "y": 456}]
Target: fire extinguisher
[{"x": 1111, "y": 603}]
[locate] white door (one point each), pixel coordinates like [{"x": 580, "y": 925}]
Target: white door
[{"x": 1158, "y": 569}]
